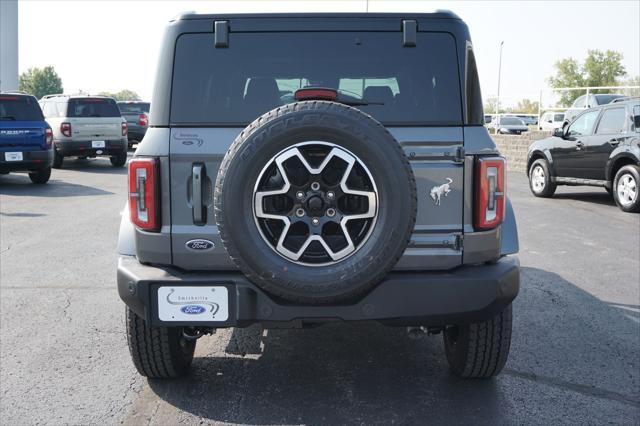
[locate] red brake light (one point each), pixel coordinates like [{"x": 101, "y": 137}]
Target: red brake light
[
  {"x": 490, "y": 192},
  {"x": 65, "y": 129},
  {"x": 48, "y": 136},
  {"x": 125, "y": 128},
  {"x": 317, "y": 93},
  {"x": 143, "y": 120},
  {"x": 144, "y": 193},
  {"x": 8, "y": 98}
]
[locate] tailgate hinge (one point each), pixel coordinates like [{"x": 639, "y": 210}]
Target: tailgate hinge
[
  {"x": 409, "y": 32},
  {"x": 459, "y": 158},
  {"x": 459, "y": 242}
]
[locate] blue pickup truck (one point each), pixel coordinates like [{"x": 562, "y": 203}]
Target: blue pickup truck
[{"x": 25, "y": 137}]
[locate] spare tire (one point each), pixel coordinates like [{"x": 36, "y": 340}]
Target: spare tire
[{"x": 315, "y": 202}]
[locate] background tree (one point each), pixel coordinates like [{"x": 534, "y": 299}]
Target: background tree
[
  {"x": 490, "y": 106},
  {"x": 40, "y": 82},
  {"x": 123, "y": 95},
  {"x": 526, "y": 106},
  {"x": 599, "y": 69}
]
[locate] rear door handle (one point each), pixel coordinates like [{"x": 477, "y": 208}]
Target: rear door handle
[{"x": 198, "y": 174}]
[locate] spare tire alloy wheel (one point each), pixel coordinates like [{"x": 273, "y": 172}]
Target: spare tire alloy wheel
[{"x": 315, "y": 202}]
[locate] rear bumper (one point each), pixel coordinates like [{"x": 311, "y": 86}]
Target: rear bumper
[
  {"x": 136, "y": 133},
  {"x": 32, "y": 160},
  {"x": 84, "y": 148},
  {"x": 466, "y": 294}
]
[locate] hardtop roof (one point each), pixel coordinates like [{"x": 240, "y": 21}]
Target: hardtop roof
[{"x": 438, "y": 14}]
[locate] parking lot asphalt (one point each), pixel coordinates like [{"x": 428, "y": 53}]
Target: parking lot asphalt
[{"x": 575, "y": 355}]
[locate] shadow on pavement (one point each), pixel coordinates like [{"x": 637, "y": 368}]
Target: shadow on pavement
[
  {"x": 600, "y": 197},
  {"x": 367, "y": 373},
  {"x": 93, "y": 165},
  {"x": 20, "y": 184}
]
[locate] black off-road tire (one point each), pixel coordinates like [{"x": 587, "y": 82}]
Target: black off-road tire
[
  {"x": 119, "y": 160},
  {"x": 41, "y": 176},
  {"x": 634, "y": 172},
  {"x": 549, "y": 187},
  {"x": 58, "y": 159},
  {"x": 352, "y": 130},
  {"x": 158, "y": 352},
  {"x": 479, "y": 350}
]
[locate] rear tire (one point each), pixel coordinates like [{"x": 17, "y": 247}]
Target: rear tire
[
  {"x": 158, "y": 352},
  {"x": 626, "y": 189},
  {"x": 58, "y": 159},
  {"x": 540, "y": 179},
  {"x": 41, "y": 176},
  {"x": 479, "y": 350},
  {"x": 119, "y": 160}
]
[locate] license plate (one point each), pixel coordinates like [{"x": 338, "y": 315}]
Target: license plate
[
  {"x": 97, "y": 144},
  {"x": 193, "y": 304},
  {"x": 13, "y": 156}
]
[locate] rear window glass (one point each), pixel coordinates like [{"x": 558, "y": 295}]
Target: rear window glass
[
  {"x": 136, "y": 108},
  {"x": 19, "y": 108},
  {"x": 558, "y": 117},
  {"x": 260, "y": 71},
  {"x": 511, "y": 121},
  {"x": 92, "y": 107},
  {"x": 605, "y": 99}
]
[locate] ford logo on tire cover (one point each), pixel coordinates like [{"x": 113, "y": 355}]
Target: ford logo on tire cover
[
  {"x": 193, "y": 309},
  {"x": 199, "y": 245}
]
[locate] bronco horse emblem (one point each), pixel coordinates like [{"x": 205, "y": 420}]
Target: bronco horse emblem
[{"x": 438, "y": 191}]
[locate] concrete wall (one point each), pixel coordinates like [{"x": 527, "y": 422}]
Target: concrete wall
[
  {"x": 514, "y": 148},
  {"x": 8, "y": 45}
]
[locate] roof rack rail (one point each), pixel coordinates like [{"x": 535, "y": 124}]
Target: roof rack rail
[
  {"x": 53, "y": 95},
  {"x": 625, "y": 99},
  {"x": 15, "y": 92}
]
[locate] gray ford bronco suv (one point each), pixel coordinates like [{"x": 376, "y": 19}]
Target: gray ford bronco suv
[{"x": 302, "y": 169}]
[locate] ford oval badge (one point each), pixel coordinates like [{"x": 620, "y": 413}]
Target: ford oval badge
[
  {"x": 193, "y": 309},
  {"x": 199, "y": 245}
]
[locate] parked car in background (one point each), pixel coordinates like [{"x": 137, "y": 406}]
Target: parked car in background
[
  {"x": 507, "y": 125},
  {"x": 86, "y": 127},
  {"x": 593, "y": 100},
  {"x": 528, "y": 119},
  {"x": 137, "y": 115},
  {"x": 488, "y": 118},
  {"x": 601, "y": 147},
  {"x": 25, "y": 137},
  {"x": 551, "y": 120}
]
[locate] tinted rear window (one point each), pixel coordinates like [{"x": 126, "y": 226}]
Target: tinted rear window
[
  {"x": 136, "y": 108},
  {"x": 92, "y": 107},
  {"x": 558, "y": 117},
  {"x": 19, "y": 108},
  {"x": 605, "y": 99},
  {"x": 260, "y": 71}
]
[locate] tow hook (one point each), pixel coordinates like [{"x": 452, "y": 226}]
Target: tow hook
[
  {"x": 193, "y": 333},
  {"x": 419, "y": 332}
]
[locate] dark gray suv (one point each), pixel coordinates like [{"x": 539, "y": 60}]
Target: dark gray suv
[{"x": 303, "y": 169}]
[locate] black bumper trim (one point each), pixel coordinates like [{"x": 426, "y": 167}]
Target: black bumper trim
[
  {"x": 84, "y": 148},
  {"x": 32, "y": 160},
  {"x": 466, "y": 294}
]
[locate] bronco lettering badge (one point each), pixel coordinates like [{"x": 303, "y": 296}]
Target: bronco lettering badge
[{"x": 199, "y": 245}]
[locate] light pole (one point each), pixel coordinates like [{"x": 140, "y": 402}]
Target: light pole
[{"x": 499, "y": 71}]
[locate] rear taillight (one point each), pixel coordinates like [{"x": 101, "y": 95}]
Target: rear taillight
[
  {"x": 143, "y": 120},
  {"x": 143, "y": 193},
  {"x": 125, "y": 129},
  {"x": 48, "y": 136},
  {"x": 65, "y": 129},
  {"x": 490, "y": 192}
]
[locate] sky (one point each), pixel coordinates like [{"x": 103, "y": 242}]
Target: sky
[{"x": 112, "y": 45}]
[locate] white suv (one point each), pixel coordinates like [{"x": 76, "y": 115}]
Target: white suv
[
  {"x": 86, "y": 127},
  {"x": 551, "y": 121}
]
